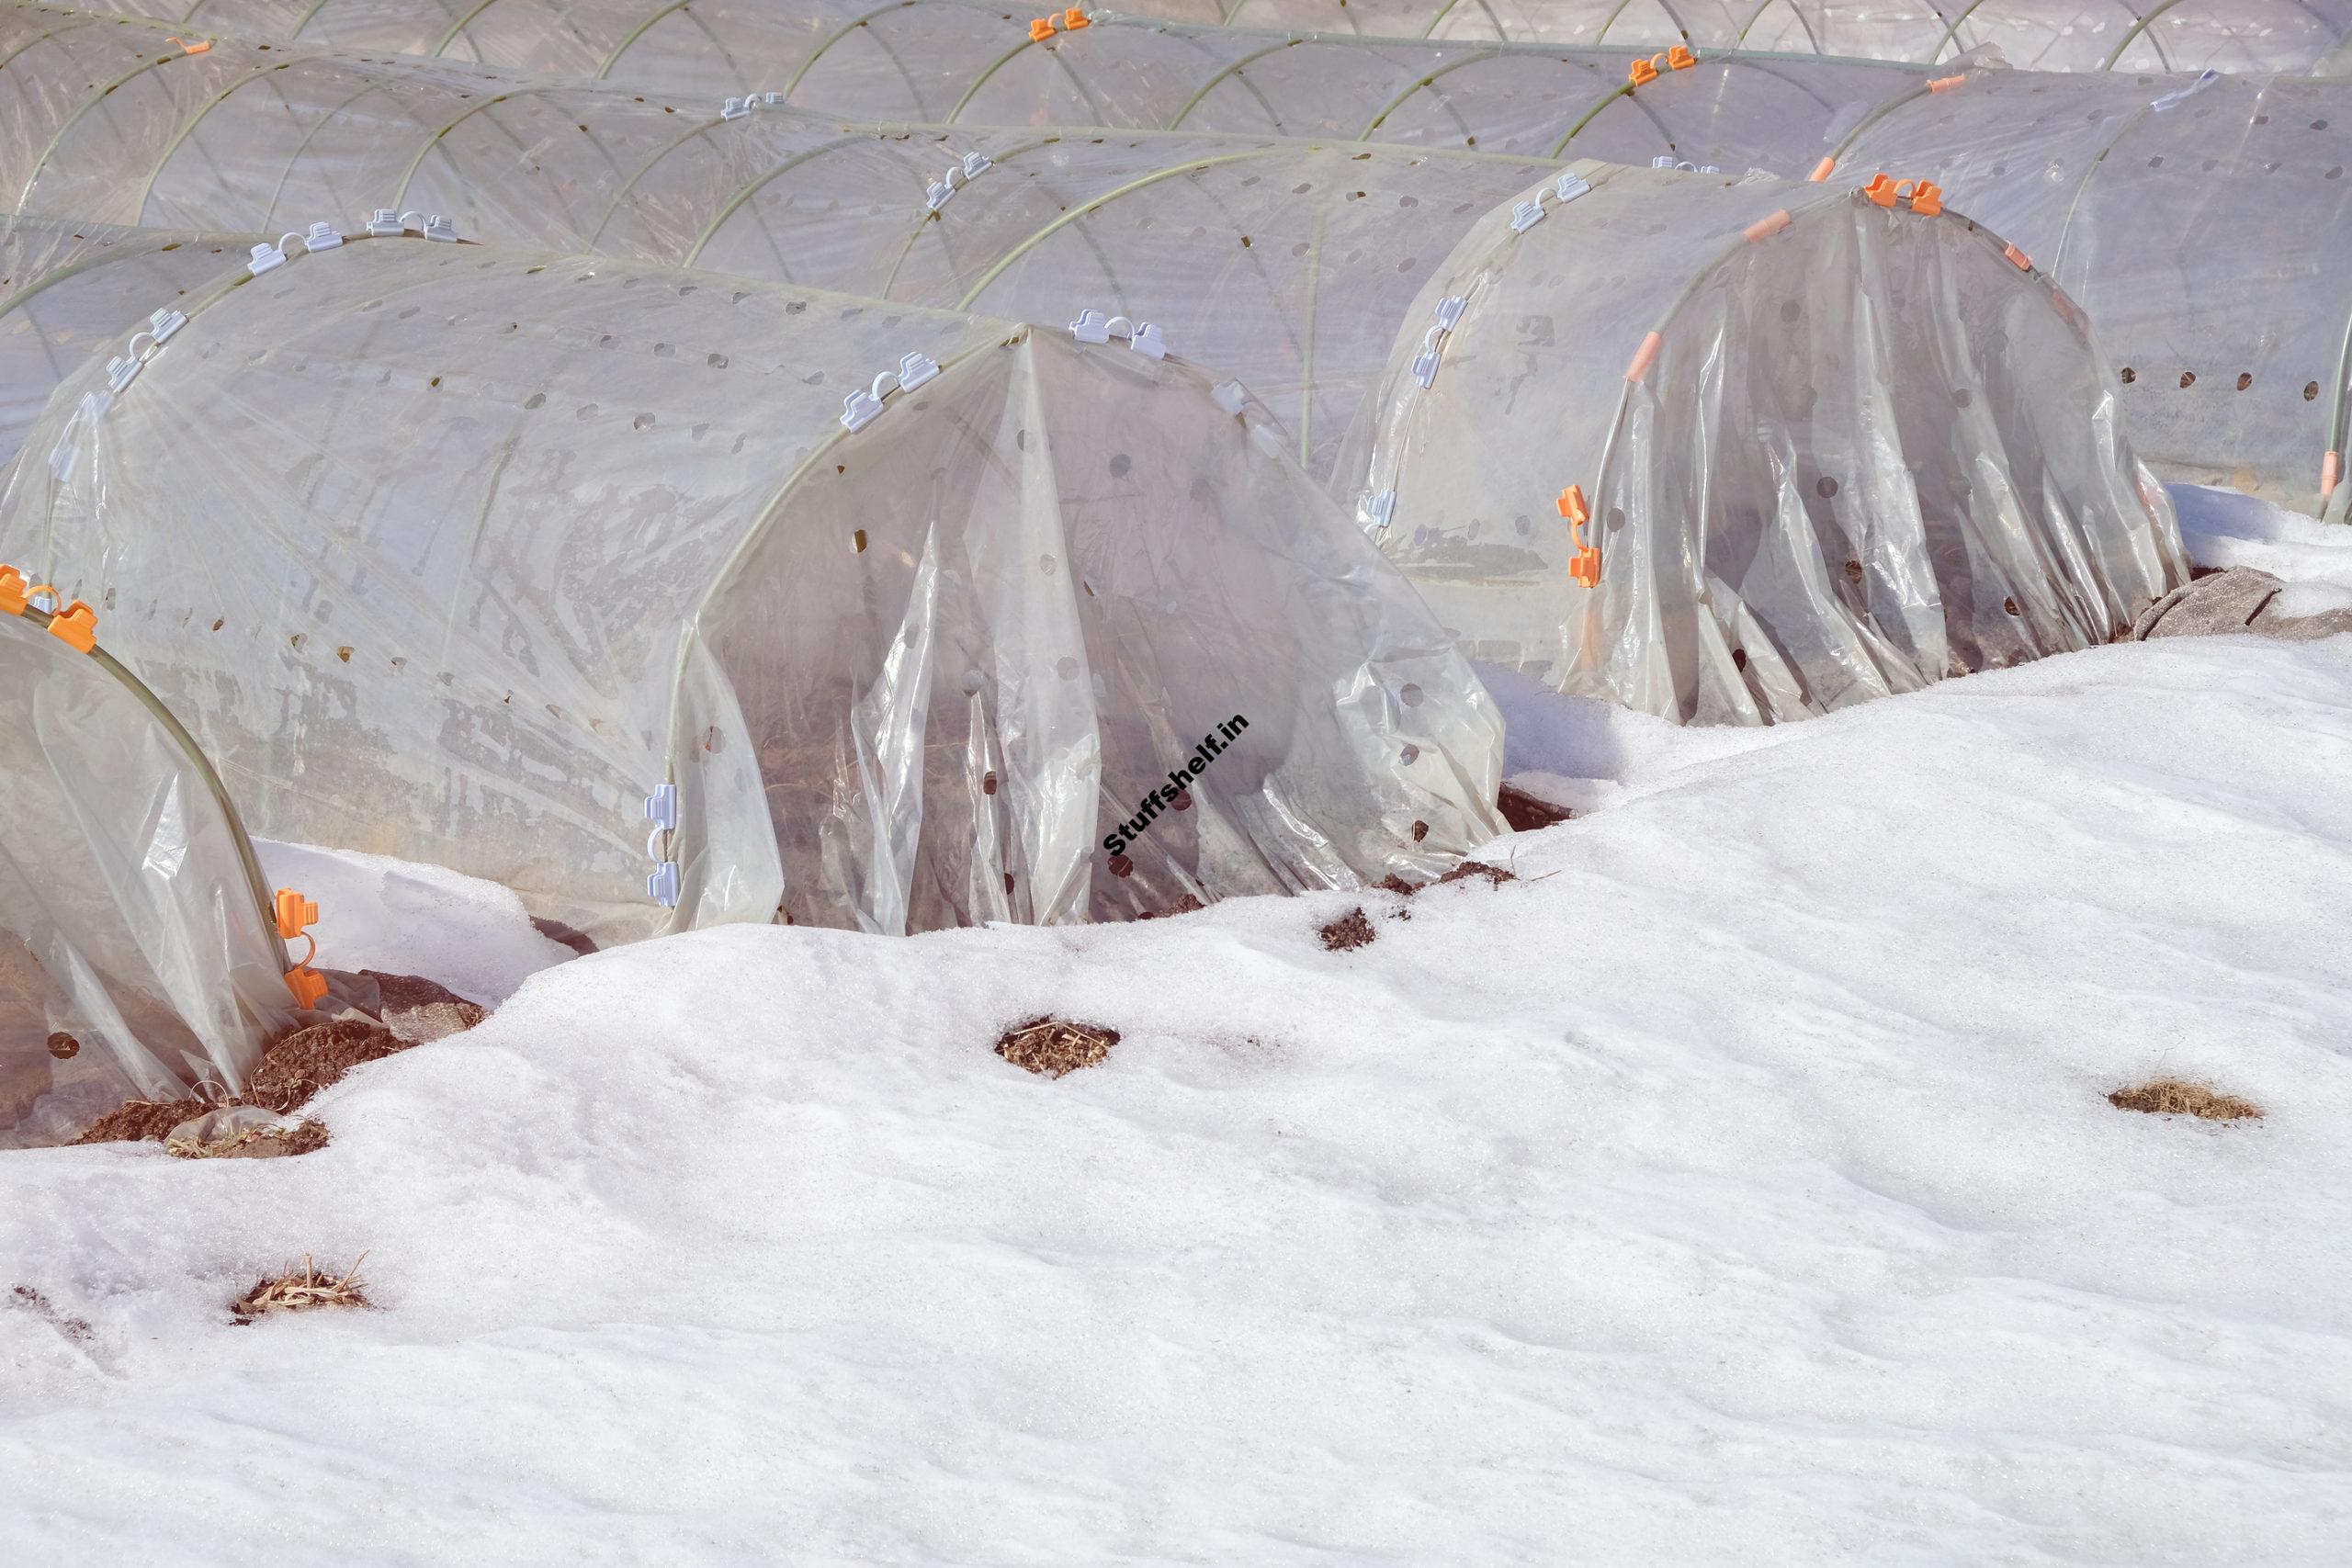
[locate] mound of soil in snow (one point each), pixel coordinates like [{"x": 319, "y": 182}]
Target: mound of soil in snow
[
  {"x": 308, "y": 1060},
  {"x": 1350, "y": 930},
  {"x": 141, "y": 1118},
  {"x": 1054, "y": 1046}
]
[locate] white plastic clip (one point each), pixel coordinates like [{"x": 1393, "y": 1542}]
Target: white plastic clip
[
  {"x": 1145, "y": 339},
  {"x": 122, "y": 370},
  {"x": 914, "y": 369},
  {"x": 1570, "y": 187},
  {"x": 770, "y": 100},
  {"x": 1525, "y": 214},
  {"x": 411, "y": 221},
  {"x": 321, "y": 237},
  {"x": 976, "y": 164},
  {"x": 439, "y": 227},
  {"x": 265, "y": 257},
  {"x": 1449, "y": 308},
  {"x": 733, "y": 108},
  {"x": 860, "y": 409},
  {"x": 383, "y": 223},
  {"x": 1091, "y": 326},
  {"x": 661, "y": 810},
  {"x": 1230, "y": 397},
  {"x": 663, "y": 885},
  {"x": 162, "y": 323},
  {"x": 1449, "y": 312},
  {"x": 1378, "y": 510},
  {"x": 1663, "y": 160}
]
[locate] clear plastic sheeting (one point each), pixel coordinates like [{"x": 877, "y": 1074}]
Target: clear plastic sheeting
[
  {"x": 136, "y": 956},
  {"x": 1828, "y": 451},
  {"x": 302, "y": 127},
  {"x": 70, "y": 290},
  {"x": 2200, "y": 224},
  {"x": 2045, "y": 35},
  {"x": 575, "y": 575}
]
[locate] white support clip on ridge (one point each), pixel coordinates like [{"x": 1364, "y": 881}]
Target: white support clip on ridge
[
  {"x": 384, "y": 223},
  {"x": 442, "y": 229},
  {"x": 1378, "y": 510},
  {"x": 1449, "y": 311},
  {"x": 321, "y": 237},
  {"x": 267, "y": 258},
  {"x": 861, "y": 409},
  {"x": 1144, "y": 337},
  {"x": 733, "y": 108}
]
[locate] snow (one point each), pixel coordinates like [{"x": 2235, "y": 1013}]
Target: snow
[
  {"x": 2224, "y": 529},
  {"x": 398, "y": 918},
  {"x": 1738, "y": 1187}
]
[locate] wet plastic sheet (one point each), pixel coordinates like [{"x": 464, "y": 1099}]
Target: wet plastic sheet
[
  {"x": 134, "y": 957},
  {"x": 1862, "y": 451},
  {"x": 470, "y": 551}
]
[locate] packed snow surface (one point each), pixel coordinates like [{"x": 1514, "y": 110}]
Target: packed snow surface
[{"x": 1738, "y": 1186}]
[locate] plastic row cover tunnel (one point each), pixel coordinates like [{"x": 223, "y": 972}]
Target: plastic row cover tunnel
[
  {"x": 462, "y": 555},
  {"x": 635, "y": 40},
  {"x": 68, "y": 290},
  {"x": 1804, "y": 451},
  {"x": 2046, "y": 35},
  {"x": 2202, "y": 225},
  {"x": 137, "y": 953},
  {"x": 97, "y": 89}
]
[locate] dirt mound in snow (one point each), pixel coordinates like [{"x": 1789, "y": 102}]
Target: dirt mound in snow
[
  {"x": 141, "y": 1118},
  {"x": 2177, "y": 1096},
  {"x": 1351, "y": 930},
  {"x": 308, "y": 1060},
  {"x": 1054, "y": 1046}
]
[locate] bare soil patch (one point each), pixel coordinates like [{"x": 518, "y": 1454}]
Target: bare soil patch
[
  {"x": 303, "y": 1063},
  {"x": 1187, "y": 904},
  {"x": 2177, "y": 1096},
  {"x": 1525, "y": 813},
  {"x": 1495, "y": 875},
  {"x": 138, "y": 1120},
  {"x": 1054, "y": 1046},
  {"x": 1349, "y": 932}
]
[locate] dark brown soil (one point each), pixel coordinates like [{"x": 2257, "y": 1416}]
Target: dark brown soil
[
  {"x": 1392, "y": 882},
  {"x": 1054, "y": 1046},
  {"x": 2174, "y": 1097},
  {"x": 1495, "y": 875},
  {"x": 297, "y": 1066},
  {"x": 1525, "y": 813},
  {"x": 76, "y": 1329},
  {"x": 1185, "y": 905},
  {"x": 1349, "y": 932},
  {"x": 141, "y": 1118}
]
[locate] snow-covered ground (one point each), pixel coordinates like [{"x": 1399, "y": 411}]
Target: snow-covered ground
[{"x": 1738, "y": 1187}]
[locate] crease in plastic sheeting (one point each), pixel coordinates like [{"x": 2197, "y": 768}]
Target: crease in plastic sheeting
[
  {"x": 731, "y": 871},
  {"x": 876, "y": 829},
  {"x": 985, "y": 894},
  {"x": 1046, "y": 723},
  {"x": 1294, "y": 848}
]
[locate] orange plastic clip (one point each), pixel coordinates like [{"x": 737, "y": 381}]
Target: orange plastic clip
[
  {"x": 295, "y": 912},
  {"x": 1927, "y": 199},
  {"x": 1821, "y": 170},
  {"x": 307, "y": 984},
  {"x": 2018, "y": 258},
  {"x": 1641, "y": 71},
  {"x": 1073, "y": 18},
  {"x": 1679, "y": 57},
  {"x": 76, "y": 626},
  {"x": 1041, "y": 29},
  {"x": 1882, "y": 189},
  {"x": 1584, "y": 566},
  {"x": 199, "y": 47},
  {"x": 12, "y": 592}
]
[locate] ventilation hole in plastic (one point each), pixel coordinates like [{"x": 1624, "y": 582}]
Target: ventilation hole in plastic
[
  {"x": 298, "y": 640},
  {"x": 2311, "y": 392},
  {"x": 988, "y": 783},
  {"x": 716, "y": 361},
  {"x": 1008, "y": 881},
  {"x": 1421, "y": 831},
  {"x": 1410, "y": 754},
  {"x": 1183, "y": 801},
  {"x": 1960, "y": 397},
  {"x": 343, "y": 654},
  {"x": 1120, "y": 463},
  {"x": 1409, "y": 695},
  {"x": 587, "y": 410},
  {"x": 2187, "y": 378},
  {"x": 1824, "y": 487},
  {"x": 2262, "y": 120},
  {"x": 972, "y": 683},
  {"x": 1739, "y": 659},
  {"x": 2010, "y": 605},
  {"x": 2335, "y": 174},
  {"x": 218, "y": 625},
  {"x": 1066, "y": 667},
  {"x": 1791, "y": 310},
  {"x": 1120, "y": 866},
  {"x": 1408, "y": 201},
  {"x": 642, "y": 421},
  {"x": 63, "y": 1047},
  {"x": 858, "y": 538},
  {"x": 2245, "y": 379},
  {"x": 1853, "y": 571},
  {"x": 1616, "y": 518},
  {"x": 2319, "y": 125},
  {"x": 2128, "y": 374},
  {"x": 536, "y": 400},
  {"x": 412, "y": 310},
  {"x": 2157, "y": 162},
  {"x": 434, "y": 383},
  {"x": 1524, "y": 524},
  {"x": 1245, "y": 241},
  {"x": 1301, "y": 189},
  {"x": 1021, "y": 440},
  {"x": 1047, "y": 565}
]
